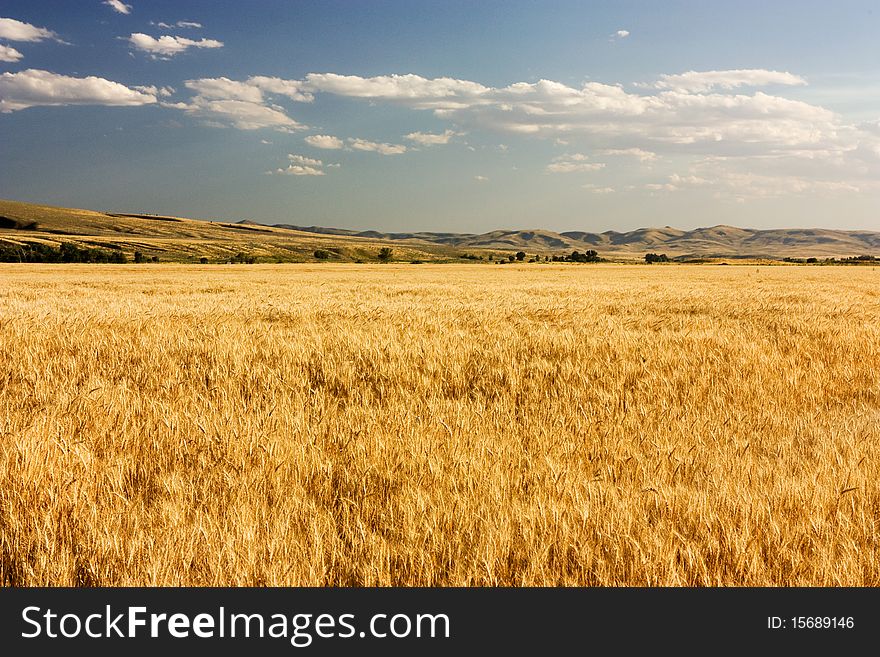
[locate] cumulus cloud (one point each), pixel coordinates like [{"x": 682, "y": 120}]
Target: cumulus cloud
[
  {"x": 620, "y": 34},
  {"x": 167, "y": 46},
  {"x": 413, "y": 90},
  {"x": 244, "y": 105},
  {"x": 238, "y": 114},
  {"x": 700, "y": 81},
  {"x": 300, "y": 165},
  {"x": 679, "y": 114},
  {"x": 691, "y": 114},
  {"x": 430, "y": 139},
  {"x": 118, "y": 6},
  {"x": 375, "y": 147},
  {"x": 328, "y": 142},
  {"x": 9, "y": 54},
  {"x": 13, "y": 30},
  {"x": 32, "y": 88}
]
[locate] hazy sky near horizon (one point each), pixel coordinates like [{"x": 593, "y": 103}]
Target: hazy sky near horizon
[{"x": 447, "y": 116}]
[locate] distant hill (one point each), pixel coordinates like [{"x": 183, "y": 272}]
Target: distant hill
[
  {"x": 179, "y": 239},
  {"x": 717, "y": 241}
]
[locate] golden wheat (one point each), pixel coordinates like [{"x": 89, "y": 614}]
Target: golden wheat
[{"x": 439, "y": 425}]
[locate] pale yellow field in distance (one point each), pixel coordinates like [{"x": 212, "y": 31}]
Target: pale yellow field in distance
[{"x": 439, "y": 425}]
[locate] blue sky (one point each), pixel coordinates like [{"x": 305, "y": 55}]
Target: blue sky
[{"x": 447, "y": 116}]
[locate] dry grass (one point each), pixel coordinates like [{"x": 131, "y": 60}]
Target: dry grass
[
  {"x": 176, "y": 239},
  {"x": 439, "y": 425}
]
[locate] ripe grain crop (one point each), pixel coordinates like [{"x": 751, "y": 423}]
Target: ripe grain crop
[{"x": 439, "y": 425}]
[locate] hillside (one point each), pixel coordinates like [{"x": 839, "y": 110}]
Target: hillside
[
  {"x": 717, "y": 241},
  {"x": 178, "y": 239}
]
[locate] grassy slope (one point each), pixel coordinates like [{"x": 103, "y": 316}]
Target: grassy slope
[{"x": 177, "y": 239}]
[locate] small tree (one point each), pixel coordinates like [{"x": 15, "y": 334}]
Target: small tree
[
  {"x": 511, "y": 257},
  {"x": 321, "y": 254},
  {"x": 385, "y": 254},
  {"x": 521, "y": 255},
  {"x": 138, "y": 257},
  {"x": 651, "y": 258},
  {"x": 203, "y": 260}
]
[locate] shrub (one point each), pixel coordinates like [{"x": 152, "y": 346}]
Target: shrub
[
  {"x": 521, "y": 255},
  {"x": 321, "y": 254},
  {"x": 651, "y": 258},
  {"x": 66, "y": 252},
  {"x": 385, "y": 254},
  {"x": 138, "y": 257},
  {"x": 203, "y": 260}
]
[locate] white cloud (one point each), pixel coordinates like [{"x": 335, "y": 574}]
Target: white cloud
[
  {"x": 252, "y": 90},
  {"x": 430, "y": 139},
  {"x": 299, "y": 170},
  {"x": 481, "y": 179},
  {"x": 293, "y": 89},
  {"x": 243, "y": 105},
  {"x": 328, "y": 142},
  {"x": 153, "y": 90},
  {"x": 596, "y": 189},
  {"x": 13, "y": 30},
  {"x": 638, "y": 153},
  {"x": 183, "y": 24},
  {"x": 547, "y": 108},
  {"x": 32, "y": 88},
  {"x": 701, "y": 81},
  {"x": 413, "y": 90},
  {"x": 620, "y": 34},
  {"x": 688, "y": 115},
  {"x": 238, "y": 114},
  {"x": 265, "y": 141},
  {"x": 383, "y": 149},
  {"x": 168, "y": 46},
  {"x": 573, "y": 163},
  {"x": 571, "y": 167},
  {"x": 9, "y": 54},
  {"x": 301, "y": 165},
  {"x": 302, "y": 159},
  {"x": 118, "y": 6}
]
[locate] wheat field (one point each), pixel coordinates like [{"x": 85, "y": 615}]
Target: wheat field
[{"x": 439, "y": 425}]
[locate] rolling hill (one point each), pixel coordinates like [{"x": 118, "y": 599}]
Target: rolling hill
[{"x": 179, "y": 239}]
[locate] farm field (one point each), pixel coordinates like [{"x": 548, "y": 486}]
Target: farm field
[{"x": 439, "y": 425}]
